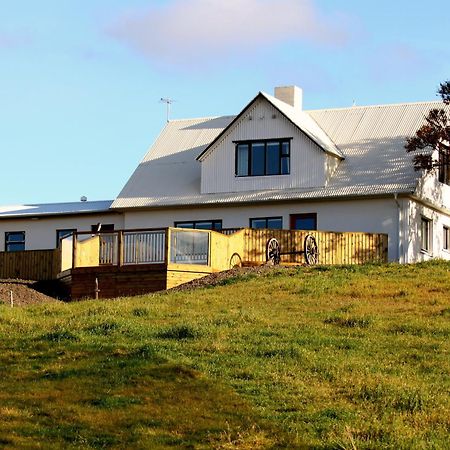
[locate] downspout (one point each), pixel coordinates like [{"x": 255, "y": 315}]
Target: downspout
[{"x": 399, "y": 228}]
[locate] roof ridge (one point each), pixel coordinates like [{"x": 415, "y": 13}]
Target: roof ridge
[
  {"x": 381, "y": 105},
  {"x": 202, "y": 118}
]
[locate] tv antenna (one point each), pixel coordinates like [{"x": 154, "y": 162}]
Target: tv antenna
[{"x": 168, "y": 102}]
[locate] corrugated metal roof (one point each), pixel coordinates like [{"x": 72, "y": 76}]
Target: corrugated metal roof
[
  {"x": 50, "y": 209},
  {"x": 371, "y": 138}
]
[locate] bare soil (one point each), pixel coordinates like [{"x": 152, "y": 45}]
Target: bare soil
[{"x": 24, "y": 293}]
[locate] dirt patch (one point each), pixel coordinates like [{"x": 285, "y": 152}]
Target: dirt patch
[
  {"x": 219, "y": 278},
  {"x": 23, "y": 293}
]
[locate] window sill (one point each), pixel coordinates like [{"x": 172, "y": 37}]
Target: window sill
[{"x": 252, "y": 177}]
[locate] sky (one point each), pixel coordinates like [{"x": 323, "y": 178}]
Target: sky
[{"x": 81, "y": 82}]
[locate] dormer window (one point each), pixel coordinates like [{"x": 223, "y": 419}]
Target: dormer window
[{"x": 263, "y": 157}]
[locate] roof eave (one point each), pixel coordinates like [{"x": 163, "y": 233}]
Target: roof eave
[
  {"x": 202, "y": 155},
  {"x": 406, "y": 192}
]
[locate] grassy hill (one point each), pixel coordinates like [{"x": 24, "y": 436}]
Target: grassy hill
[{"x": 328, "y": 358}]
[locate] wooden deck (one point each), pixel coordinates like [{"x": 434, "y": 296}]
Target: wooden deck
[
  {"x": 116, "y": 281},
  {"x": 133, "y": 262}
]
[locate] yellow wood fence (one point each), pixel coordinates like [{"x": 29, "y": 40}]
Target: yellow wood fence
[{"x": 334, "y": 247}]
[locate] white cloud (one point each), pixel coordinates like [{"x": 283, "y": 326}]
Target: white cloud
[{"x": 185, "y": 32}]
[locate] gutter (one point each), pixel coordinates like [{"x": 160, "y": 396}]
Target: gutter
[
  {"x": 401, "y": 231},
  {"x": 218, "y": 204},
  {"x": 429, "y": 204}
]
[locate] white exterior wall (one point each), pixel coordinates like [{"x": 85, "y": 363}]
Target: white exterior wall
[
  {"x": 413, "y": 250},
  {"x": 372, "y": 216},
  {"x": 309, "y": 166},
  {"x": 40, "y": 233},
  {"x": 433, "y": 193}
]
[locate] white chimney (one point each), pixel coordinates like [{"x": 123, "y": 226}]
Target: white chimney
[{"x": 292, "y": 95}]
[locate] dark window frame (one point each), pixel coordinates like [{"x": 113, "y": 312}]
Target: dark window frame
[
  {"x": 195, "y": 222},
  {"x": 250, "y": 143},
  {"x": 294, "y": 217},
  {"x": 104, "y": 228},
  {"x": 59, "y": 238},
  {"x": 426, "y": 241},
  {"x": 8, "y": 242},
  {"x": 444, "y": 168},
  {"x": 446, "y": 237},
  {"x": 266, "y": 219}
]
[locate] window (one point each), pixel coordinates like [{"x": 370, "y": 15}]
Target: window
[
  {"x": 61, "y": 234},
  {"x": 201, "y": 224},
  {"x": 425, "y": 234},
  {"x": 102, "y": 227},
  {"x": 258, "y": 158},
  {"x": 444, "y": 168},
  {"x": 14, "y": 241},
  {"x": 273, "y": 223},
  {"x": 446, "y": 237},
  {"x": 304, "y": 221}
]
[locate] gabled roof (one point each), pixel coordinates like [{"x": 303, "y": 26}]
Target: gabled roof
[
  {"x": 169, "y": 169},
  {"x": 296, "y": 116},
  {"x": 371, "y": 138},
  {"x": 52, "y": 209}
]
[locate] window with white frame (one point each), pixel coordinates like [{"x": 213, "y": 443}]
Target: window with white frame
[
  {"x": 425, "y": 234},
  {"x": 446, "y": 237}
]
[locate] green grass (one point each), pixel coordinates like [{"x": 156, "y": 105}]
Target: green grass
[{"x": 326, "y": 358}]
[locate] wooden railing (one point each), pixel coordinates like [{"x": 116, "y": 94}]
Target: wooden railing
[
  {"x": 203, "y": 247},
  {"x": 143, "y": 247},
  {"x": 39, "y": 265},
  {"x": 228, "y": 231}
]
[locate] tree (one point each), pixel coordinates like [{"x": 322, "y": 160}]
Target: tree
[{"x": 434, "y": 135}]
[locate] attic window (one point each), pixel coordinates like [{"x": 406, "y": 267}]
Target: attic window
[{"x": 265, "y": 157}]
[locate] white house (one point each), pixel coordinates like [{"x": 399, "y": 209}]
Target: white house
[
  {"x": 276, "y": 165},
  {"x": 39, "y": 227}
]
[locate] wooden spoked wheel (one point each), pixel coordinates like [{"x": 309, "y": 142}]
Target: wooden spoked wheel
[
  {"x": 235, "y": 261},
  {"x": 311, "y": 250},
  {"x": 273, "y": 251}
]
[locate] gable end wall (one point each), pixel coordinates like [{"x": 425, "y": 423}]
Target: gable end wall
[{"x": 309, "y": 167}]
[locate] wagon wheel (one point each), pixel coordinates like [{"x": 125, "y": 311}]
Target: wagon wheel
[
  {"x": 235, "y": 261},
  {"x": 273, "y": 251},
  {"x": 311, "y": 250}
]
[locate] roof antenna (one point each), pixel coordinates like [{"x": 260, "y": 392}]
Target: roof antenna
[
  {"x": 354, "y": 102},
  {"x": 168, "y": 102}
]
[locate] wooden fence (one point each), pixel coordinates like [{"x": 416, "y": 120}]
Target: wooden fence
[
  {"x": 36, "y": 265},
  {"x": 334, "y": 247}
]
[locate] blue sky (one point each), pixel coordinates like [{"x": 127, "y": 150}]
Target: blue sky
[{"x": 80, "y": 82}]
